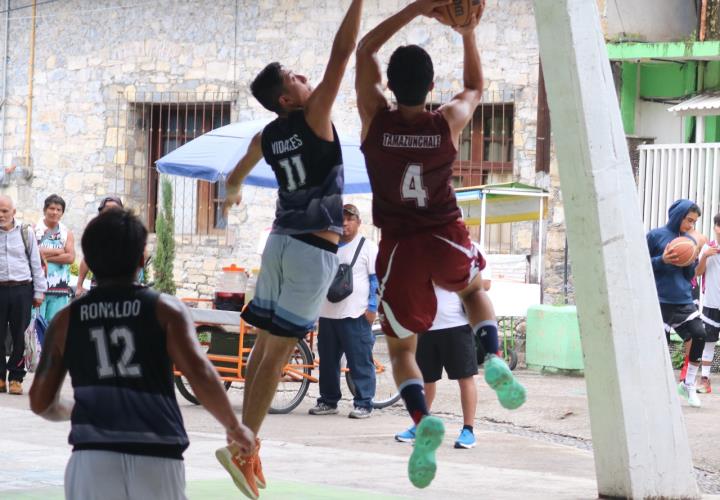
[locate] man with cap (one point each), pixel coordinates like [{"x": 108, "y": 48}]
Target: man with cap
[
  {"x": 106, "y": 203},
  {"x": 345, "y": 325}
]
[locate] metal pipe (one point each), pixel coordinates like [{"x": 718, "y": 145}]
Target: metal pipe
[
  {"x": 31, "y": 75},
  {"x": 3, "y": 99}
]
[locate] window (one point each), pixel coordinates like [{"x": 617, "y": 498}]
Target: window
[
  {"x": 171, "y": 126},
  {"x": 486, "y": 145}
]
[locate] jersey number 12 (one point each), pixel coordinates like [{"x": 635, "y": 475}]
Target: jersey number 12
[
  {"x": 123, "y": 367},
  {"x": 412, "y": 185}
]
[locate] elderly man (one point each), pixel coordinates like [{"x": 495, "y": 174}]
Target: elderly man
[{"x": 22, "y": 287}]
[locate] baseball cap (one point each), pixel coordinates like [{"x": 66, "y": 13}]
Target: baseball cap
[
  {"x": 351, "y": 209},
  {"x": 114, "y": 199}
]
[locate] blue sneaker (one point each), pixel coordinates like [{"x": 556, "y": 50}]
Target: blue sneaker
[
  {"x": 428, "y": 437},
  {"x": 406, "y": 436},
  {"x": 466, "y": 439},
  {"x": 510, "y": 392}
]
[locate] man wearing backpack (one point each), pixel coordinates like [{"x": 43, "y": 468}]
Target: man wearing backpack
[
  {"x": 346, "y": 317},
  {"x": 22, "y": 287}
]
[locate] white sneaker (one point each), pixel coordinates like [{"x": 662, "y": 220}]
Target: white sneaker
[{"x": 689, "y": 394}]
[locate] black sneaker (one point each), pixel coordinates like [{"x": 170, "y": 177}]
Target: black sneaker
[{"x": 323, "y": 409}]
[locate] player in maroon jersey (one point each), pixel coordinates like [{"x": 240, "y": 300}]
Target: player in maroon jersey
[{"x": 409, "y": 153}]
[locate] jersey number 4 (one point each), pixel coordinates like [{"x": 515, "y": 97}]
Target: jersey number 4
[
  {"x": 123, "y": 367},
  {"x": 412, "y": 185},
  {"x": 294, "y": 172}
]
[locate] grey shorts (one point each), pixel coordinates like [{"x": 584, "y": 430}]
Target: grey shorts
[
  {"x": 295, "y": 275},
  {"x": 109, "y": 475}
]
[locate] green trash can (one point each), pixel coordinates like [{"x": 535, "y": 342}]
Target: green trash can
[{"x": 553, "y": 339}]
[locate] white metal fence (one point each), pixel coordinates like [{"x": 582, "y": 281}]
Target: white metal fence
[{"x": 668, "y": 172}]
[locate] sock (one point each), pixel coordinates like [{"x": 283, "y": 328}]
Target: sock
[
  {"x": 691, "y": 374},
  {"x": 707, "y": 357},
  {"x": 487, "y": 332},
  {"x": 413, "y": 393},
  {"x": 468, "y": 427}
]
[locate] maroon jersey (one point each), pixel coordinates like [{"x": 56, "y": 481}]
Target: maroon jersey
[{"x": 410, "y": 168}]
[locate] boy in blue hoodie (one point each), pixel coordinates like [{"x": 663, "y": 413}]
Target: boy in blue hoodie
[{"x": 674, "y": 289}]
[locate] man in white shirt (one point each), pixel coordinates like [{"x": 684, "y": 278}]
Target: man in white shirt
[
  {"x": 345, "y": 326},
  {"x": 22, "y": 287},
  {"x": 450, "y": 344},
  {"x": 709, "y": 268}
]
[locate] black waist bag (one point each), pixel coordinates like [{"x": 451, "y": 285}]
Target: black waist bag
[{"x": 342, "y": 284}]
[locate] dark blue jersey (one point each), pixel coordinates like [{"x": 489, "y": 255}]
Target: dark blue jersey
[
  {"x": 116, "y": 354},
  {"x": 309, "y": 172}
]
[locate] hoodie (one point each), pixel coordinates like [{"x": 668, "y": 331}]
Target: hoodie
[{"x": 672, "y": 282}]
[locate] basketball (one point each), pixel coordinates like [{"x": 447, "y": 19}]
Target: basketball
[
  {"x": 459, "y": 12},
  {"x": 684, "y": 248}
]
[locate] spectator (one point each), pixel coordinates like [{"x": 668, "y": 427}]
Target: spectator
[
  {"x": 105, "y": 204},
  {"x": 57, "y": 248},
  {"x": 675, "y": 292},
  {"x": 450, "y": 344},
  {"x": 709, "y": 268},
  {"x": 22, "y": 286},
  {"x": 346, "y": 326}
]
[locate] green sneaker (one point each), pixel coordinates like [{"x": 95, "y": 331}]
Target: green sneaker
[
  {"x": 428, "y": 437},
  {"x": 510, "y": 392}
]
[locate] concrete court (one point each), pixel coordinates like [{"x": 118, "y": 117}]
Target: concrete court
[{"x": 333, "y": 457}]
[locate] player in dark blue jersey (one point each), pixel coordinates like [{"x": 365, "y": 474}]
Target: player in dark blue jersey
[
  {"x": 299, "y": 259},
  {"x": 119, "y": 343}
]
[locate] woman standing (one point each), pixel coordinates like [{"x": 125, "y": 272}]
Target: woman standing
[{"x": 57, "y": 249}]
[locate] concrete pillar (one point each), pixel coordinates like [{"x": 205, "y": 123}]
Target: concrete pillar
[{"x": 639, "y": 438}]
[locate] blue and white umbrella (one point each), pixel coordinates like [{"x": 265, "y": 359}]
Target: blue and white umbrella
[{"x": 212, "y": 156}]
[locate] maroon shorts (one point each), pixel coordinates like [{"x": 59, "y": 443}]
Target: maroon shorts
[{"x": 407, "y": 267}]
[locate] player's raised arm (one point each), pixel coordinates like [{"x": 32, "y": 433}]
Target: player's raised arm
[
  {"x": 368, "y": 76},
  {"x": 319, "y": 105},
  {"x": 461, "y": 107},
  {"x": 233, "y": 184}
]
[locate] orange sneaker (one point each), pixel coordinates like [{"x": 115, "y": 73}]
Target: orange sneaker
[
  {"x": 241, "y": 469},
  {"x": 257, "y": 469},
  {"x": 15, "y": 387}
]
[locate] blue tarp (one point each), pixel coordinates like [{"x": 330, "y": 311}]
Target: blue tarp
[{"x": 212, "y": 156}]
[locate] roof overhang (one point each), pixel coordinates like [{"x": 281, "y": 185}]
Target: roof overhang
[
  {"x": 706, "y": 104},
  {"x": 667, "y": 51}
]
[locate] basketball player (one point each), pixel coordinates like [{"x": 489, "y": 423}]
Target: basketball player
[
  {"x": 119, "y": 343},
  {"x": 299, "y": 260},
  {"x": 409, "y": 154},
  {"x": 674, "y": 290}
]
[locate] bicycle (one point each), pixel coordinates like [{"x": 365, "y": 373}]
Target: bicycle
[
  {"x": 506, "y": 328},
  {"x": 216, "y": 333}
]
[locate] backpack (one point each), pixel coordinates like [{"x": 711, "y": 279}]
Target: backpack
[{"x": 24, "y": 229}]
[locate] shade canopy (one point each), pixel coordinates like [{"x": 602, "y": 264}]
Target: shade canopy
[
  {"x": 509, "y": 202},
  {"x": 212, "y": 156}
]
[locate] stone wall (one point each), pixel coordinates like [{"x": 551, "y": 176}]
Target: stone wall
[{"x": 91, "y": 59}]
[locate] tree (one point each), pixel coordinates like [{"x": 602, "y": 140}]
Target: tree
[{"x": 164, "y": 259}]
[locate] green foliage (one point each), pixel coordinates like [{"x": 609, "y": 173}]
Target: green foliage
[{"x": 163, "y": 261}]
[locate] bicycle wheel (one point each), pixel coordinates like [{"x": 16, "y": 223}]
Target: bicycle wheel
[
  {"x": 204, "y": 333},
  {"x": 294, "y": 381},
  {"x": 386, "y": 392}
]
